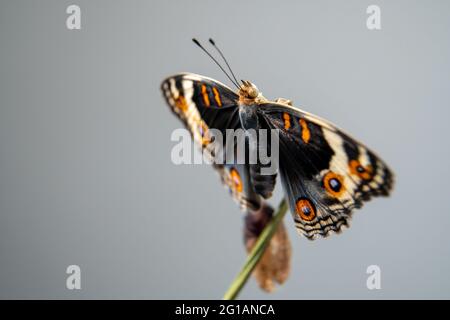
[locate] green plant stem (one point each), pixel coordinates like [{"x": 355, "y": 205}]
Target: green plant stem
[{"x": 256, "y": 253}]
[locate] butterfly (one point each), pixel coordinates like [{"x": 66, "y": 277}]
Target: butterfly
[{"x": 325, "y": 172}]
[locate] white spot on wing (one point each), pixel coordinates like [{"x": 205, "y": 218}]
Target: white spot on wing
[
  {"x": 363, "y": 157},
  {"x": 173, "y": 88},
  {"x": 339, "y": 161}
]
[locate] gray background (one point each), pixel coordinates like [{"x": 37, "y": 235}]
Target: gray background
[{"x": 85, "y": 170}]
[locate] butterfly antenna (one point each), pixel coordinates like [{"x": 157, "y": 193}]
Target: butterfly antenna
[
  {"x": 223, "y": 57},
  {"x": 221, "y": 68}
]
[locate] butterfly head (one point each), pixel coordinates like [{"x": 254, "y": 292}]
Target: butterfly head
[{"x": 248, "y": 91}]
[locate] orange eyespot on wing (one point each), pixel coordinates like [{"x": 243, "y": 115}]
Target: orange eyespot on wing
[
  {"x": 217, "y": 96},
  {"x": 180, "y": 103},
  {"x": 306, "y": 134},
  {"x": 205, "y": 96},
  {"x": 305, "y": 209},
  {"x": 287, "y": 120},
  {"x": 236, "y": 180},
  {"x": 359, "y": 170},
  {"x": 334, "y": 184}
]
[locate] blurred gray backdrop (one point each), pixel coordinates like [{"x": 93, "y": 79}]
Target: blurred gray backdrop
[{"x": 85, "y": 171}]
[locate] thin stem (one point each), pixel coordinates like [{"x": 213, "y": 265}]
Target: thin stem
[{"x": 256, "y": 253}]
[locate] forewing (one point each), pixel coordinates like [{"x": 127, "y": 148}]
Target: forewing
[{"x": 203, "y": 104}]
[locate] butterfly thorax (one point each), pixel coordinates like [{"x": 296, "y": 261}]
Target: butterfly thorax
[
  {"x": 249, "y": 116},
  {"x": 249, "y": 94}
]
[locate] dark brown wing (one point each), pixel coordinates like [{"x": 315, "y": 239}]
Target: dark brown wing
[{"x": 325, "y": 173}]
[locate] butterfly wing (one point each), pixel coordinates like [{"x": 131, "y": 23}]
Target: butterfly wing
[
  {"x": 202, "y": 104},
  {"x": 325, "y": 172}
]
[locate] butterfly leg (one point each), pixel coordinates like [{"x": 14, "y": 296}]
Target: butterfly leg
[{"x": 284, "y": 101}]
